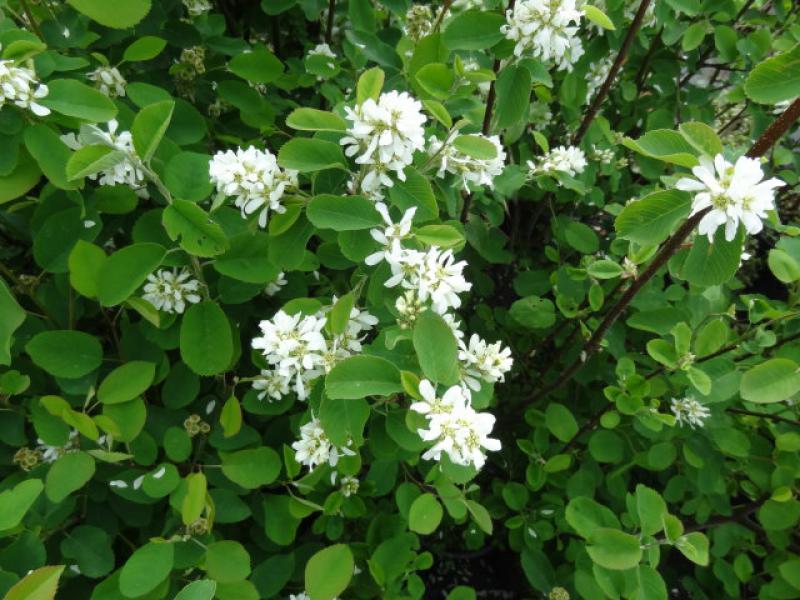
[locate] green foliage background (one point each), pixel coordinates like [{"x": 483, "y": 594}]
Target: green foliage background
[{"x": 597, "y": 492}]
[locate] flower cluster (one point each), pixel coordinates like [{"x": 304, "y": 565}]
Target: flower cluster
[
  {"x": 254, "y": 179},
  {"x": 734, "y": 192},
  {"x": 419, "y": 21},
  {"x": 195, "y": 8},
  {"x": 127, "y": 170},
  {"x": 471, "y": 170},
  {"x": 596, "y": 76},
  {"x": 299, "y": 349},
  {"x": 315, "y": 448},
  {"x": 19, "y": 86},
  {"x": 324, "y": 49},
  {"x": 384, "y": 136},
  {"x": 565, "y": 159},
  {"x": 689, "y": 411},
  {"x": 108, "y": 80},
  {"x": 483, "y": 361},
  {"x": 454, "y": 427},
  {"x": 170, "y": 291},
  {"x": 546, "y": 28}
]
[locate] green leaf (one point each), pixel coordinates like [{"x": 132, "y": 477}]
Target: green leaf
[
  {"x": 40, "y": 584},
  {"x": 68, "y": 474},
  {"x": 147, "y": 567},
  {"x": 774, "y": 380},
  {"x": 694, "y": 36},
  {"x": 439, "y": 112},
  {"x": 651, "y": 509},
  {"x": 343, "y": 213},
  {"x": 126, "y": 382},
  {"x": 311, "y": 119},
  {"x": 581, "y": 237},
  {"x": 227, "y": 561},
  {"x": 614, "y": 549},
  {"x": 437, "y": 79},
  {"x": 713, "y": 264},
  {"x": 598, "y": 17},
  {"x": 75, "y": 99},
  {"x": 344, "y": 419},
  {"x": 205, "y": 340},
  {"x": 475, "y": 146},
  {"x": 231, "y": 417},
  {"x": 436, "y": 348},
  {"x": 258, "y": 66},
  {"x": 84, "y": 263},
  {"x": 194, "y": 502},
  {"x": 194, "y": 228},
  {"x": 328, "y": 572},
  {"x": 694, "y": 546},
  {"x": 67, "y": 354},
  {"x": 50, "y": 153},
  {"x": 15, "y": 502},
  {"x": 666, "y": 145},
  {"x": 481, "y": 516},
  {"x": 369, "y": 85},
  {"x": 91, "y": 548},
  {"x": 776, "y": 79},
  {"x": 90, "y": 160},
  {"x": 310, "y": 154},
  {"x": 12, "y": 315},
  {"x": 533, "y": 312},
  {"x": 21, "y": 179},
  {"x": 340, "y": 314},
  {"x": 248, "y": 259},
  {"x": 252, "y": 468},
  {"x": 117, "y": 16},
  {"x": 149, "y": 127},
  {"x": 560, "y": 421},
  {"x": 361, "y": 376},
  {"x": 145, "y": 48},
  {"x": 604, "y": 269},
  {"x": 416, "y": 191},
  {"x": 513, "y": 87},
  {"x": 186, "y": 176},
  {"x": 126, "y": 270},
  {"x": 425, "y": 514},
  {"x": 473, "y": 30},
  {"x": 702, "y": 138},
  {"x": 651, "y": 220},
  {"x": 443, "y": 236},
  {"x": 783, "y": 265},
  {"x": 202, "y": 589},
  {"x": 585, "y": 515}
]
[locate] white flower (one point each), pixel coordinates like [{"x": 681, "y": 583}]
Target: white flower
[
  {"x": 195, "y": 8},
  {"x": 127, "y": 170},
  {"x": 391, "y": 235},
  {"x": 481, "y": 360},
  {"x": 254, "y": 179},
  {"x": 596, "y": 76},
  {"x": 455, "y": 427},
  {"x": 295, "y": 347},
  {"x": 272, "y": 385},
  {"x": 735, "y": 193},
  {"x": 384, "y": 135},
  {"x": 51, "y": 454},
  {"x": 566, "y": 159},
  {"x": 273, "y": 287},
  {"x": 171, "y": 290},
  {"x": 405, "y": 265},
  {"x": 349, "y": 486},
  {"x": 480, "y": 172},
  {"x": 19, "y": 86},
  {"x": 359, "y": 323},
  {"x": 441, "y": 279},
  {"x": 322, "y": 50},
  {"x": 689, "y": 411},
  {"x": 546, "y": 28},
  {"x": 455, "y": 326},
  {"x": 314, "y": 448},
  {"x": 108, "y": 80}
]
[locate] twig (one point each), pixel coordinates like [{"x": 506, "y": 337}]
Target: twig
[
  {"x": 490, "y": 98},
  {"x": 329, "y": 30},
  {"x": 440, "y": 17},
  {"x": 763, "y": 415},
  {"x": 31, "y": 21},
  {"x": 591, "y": 113},
  {"x": 670, "y": 247}
]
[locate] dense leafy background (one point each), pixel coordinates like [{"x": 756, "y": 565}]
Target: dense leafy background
[{"x": 597, "y": 492}]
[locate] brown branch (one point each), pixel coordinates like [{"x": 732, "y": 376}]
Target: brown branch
[
  {"x": 591, "y": 113},
  {"x": 329, "y": 29},
  {"x": 440, "y": 17},
  {"x": 670, "y": 247},
  {"x": 763, "y": 415},
  {"x": 31, "y": 21},
  {"x": 490, "y": 98}
]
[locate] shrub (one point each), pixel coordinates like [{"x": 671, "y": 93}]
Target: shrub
[{"x": 350, "y": 299}]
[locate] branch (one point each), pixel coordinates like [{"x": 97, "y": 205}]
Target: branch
[
  {"x": 440, "y": 17},
  {"x": 329, "y": 29},
  {"x": 670, "y": 247},
  {"x": 591, "y": 113},
  {"x": 490, "y": 98},
  {"x": 763, "y": 415}
]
